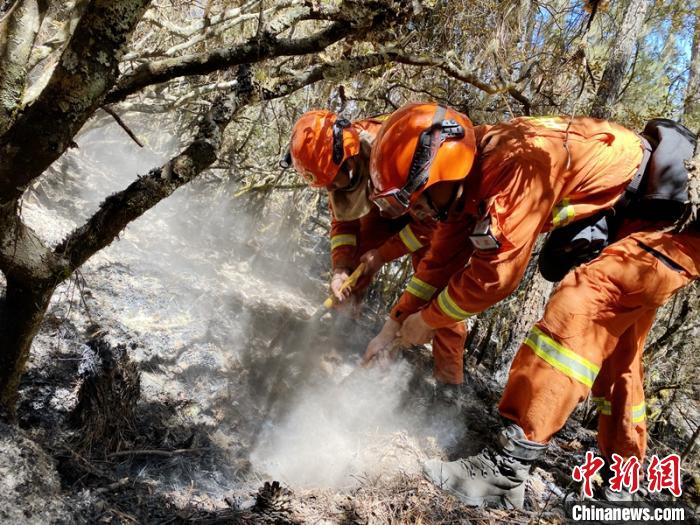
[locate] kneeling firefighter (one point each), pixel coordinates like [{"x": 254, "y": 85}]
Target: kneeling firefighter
[
  {"x": 331, "y": 152},
  {"x": 533, "y": 175}
]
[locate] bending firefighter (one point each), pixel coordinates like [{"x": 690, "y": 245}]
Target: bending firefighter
[
  {"x": 333, "y": 153},
  {"x": 533, "y": 175}
]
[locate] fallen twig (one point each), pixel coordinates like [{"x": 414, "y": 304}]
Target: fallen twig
[{"x": 157, "y": 452}]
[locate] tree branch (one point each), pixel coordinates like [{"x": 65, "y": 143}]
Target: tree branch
[
  {"x": 87, "y": 69},
  {"x": 195, "y": 27},
  {"x": 277, "y": 87},
  {"x": 254, "y": 50},
  {"x": 122, "y": 124},
  {"x": 458, "y": 73},
  {"x": 65, "y": 29},
  {"x": 342, "y": 69},
  {"x": 276, "y": 27},
  {"x": 121, "y": 208}
]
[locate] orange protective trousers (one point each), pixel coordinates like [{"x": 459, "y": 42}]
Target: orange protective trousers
[
  {"x": 448, "y": 346},
  {"x": 592, "y": 337}
]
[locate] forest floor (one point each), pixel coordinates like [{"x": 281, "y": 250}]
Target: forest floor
[
  {"x": 199, "y": 446},
  {"x": 130, "y": 415},
  {"x": 153, "y": 395}
]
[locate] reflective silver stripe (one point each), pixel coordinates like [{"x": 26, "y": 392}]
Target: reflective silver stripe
[
  {"x": 345, "y": 239},
  {"x": 562, "y": 213},
  {"x": 563, "y": 359},
  {"x": 409, "y": 239},
  {"x": 450, "y": 308},
  {"x": 420, "y": 289},
  {"x": 639, "y": 412}
]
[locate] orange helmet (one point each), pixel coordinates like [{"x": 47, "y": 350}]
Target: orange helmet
[
  {"x": 421, "y": 144},
  {"x": 320, "y": 144}
]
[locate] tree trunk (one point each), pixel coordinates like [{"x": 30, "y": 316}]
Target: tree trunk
[
  {"x": 21, "y": 312},
  {"x": 18, "y": 30},
  {"x": 691, "y": 90},
  {"x": 621, "y": 50}
]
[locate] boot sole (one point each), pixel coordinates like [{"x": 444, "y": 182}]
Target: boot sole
[{"x": 485, "y": 501}]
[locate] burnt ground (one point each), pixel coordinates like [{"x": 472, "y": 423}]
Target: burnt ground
[
  {"x": 169, "y": 460},
  {"x": 112, "y": 430}
]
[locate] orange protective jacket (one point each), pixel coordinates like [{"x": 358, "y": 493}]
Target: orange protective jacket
[
  {"x": 393, "y": 238},
  {"x": 531, "y": 175}
]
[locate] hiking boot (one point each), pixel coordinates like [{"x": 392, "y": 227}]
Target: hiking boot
[{"x": 492, "y": 478}]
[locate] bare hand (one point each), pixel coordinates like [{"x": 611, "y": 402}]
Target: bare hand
[
  {"x": 382, "y": 341},
  {"x": 415, "y": 331},
  {"x": 340, "y": 275}
]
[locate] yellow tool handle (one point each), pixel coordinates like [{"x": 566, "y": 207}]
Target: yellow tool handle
[{"x": 349, "y": 283}]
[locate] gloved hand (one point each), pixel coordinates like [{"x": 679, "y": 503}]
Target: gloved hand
[
  {"x": 415, "y": 331},
  {"x": 340, "y": 275},
  {"x": 382, "y": 341}
]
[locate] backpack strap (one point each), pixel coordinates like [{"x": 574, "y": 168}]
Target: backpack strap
[{"x": 633, "y": 189}]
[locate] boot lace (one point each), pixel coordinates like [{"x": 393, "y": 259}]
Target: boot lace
[{"x": 482, "y": 463}]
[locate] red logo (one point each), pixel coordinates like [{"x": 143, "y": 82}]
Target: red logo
[
  {"x": 665, "y": 474},
  {"x": 661, "y": 474},
  {"x": 625, "y": 474},
  {"x": 586, "y": 471}
]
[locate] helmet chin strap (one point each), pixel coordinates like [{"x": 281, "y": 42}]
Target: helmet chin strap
[
  {"x": 338, "y": 145},
  {"x": 428, "y": 144}
]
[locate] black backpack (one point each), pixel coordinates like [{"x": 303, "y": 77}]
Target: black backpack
[{"x": 658, "y": 192}]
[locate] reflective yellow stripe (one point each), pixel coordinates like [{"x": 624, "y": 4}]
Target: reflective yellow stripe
[
  {"x": 563, "y": 213},
  {"x": 420, "y": 289},
  {"x": 604, "y": 408},
  {"x": 450, "y": 308},
  {"x": 409, "y": 239},
  {"x": 563, "y": 359},
  {"x": 639, "y": 412},
  {"x": 346, "y": 239},
  {"x": 602, "y": 405}
]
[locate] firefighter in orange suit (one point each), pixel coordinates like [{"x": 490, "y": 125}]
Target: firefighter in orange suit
[
  {"x": 529, "y": 176},
  {"x": 333, "y": 153}
]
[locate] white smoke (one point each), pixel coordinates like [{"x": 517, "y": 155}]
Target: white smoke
[{"x": 331, "y": 433}]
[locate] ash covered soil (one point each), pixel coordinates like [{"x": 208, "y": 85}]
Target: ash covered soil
[{"x": 153, "y": 395}]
